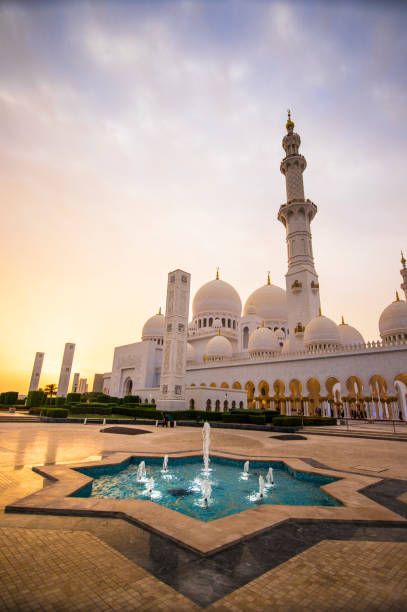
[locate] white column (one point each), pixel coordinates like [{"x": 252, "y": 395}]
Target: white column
[
  {"x": 66, "y": 368},
  {"x": 36, "y": 373},
  {"x": 172, "y": 382},
  {"x": 75, "y": 383}
]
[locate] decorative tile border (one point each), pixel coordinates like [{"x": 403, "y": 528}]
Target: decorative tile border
[{"x": 203, "y": 538}]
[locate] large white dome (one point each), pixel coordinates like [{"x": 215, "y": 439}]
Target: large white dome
[
  {"x": 217, "y": 296},
  {"x": 349, "y": 335},
  {"x": 154, "y": 327},
  {"x": 218, "y": 347},
  {"x": 190, "y": 352},
  {"x": 393, "y": 320},
  {"x": 263, "y": 339},
  {"x": 322, "y": 332},
  {"x": 270, "y": 303}
]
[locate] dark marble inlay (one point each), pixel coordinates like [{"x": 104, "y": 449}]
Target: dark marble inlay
[
  {"x": 289, "y": 437},
  {"x": 130, "y": 431}
]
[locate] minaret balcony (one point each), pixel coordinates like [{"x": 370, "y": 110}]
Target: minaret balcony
[
  {"x": 296, "y": 287},
  {"x": 314, "y": 287},
  {"x": 299, "y": 330}
]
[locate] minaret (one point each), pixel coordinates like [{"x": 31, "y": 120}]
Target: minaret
[
  {"x": 66, "y": 368},
  {"x": 173, "y": 369},
  {"x": 296, "y": 215},
  {"x": 36, "y": 373},
  {"x": 403, "y": 273}
]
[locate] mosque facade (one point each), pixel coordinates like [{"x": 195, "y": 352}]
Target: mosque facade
[{"x": 278, "y": 351}]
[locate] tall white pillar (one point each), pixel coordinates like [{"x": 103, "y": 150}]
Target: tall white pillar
[
  {"x": 403, "y": 273},
  {"x": 296, "y": 215},
  {"x": 66, "y": 368},
  {"x": 75, "y": 383},
  {"x": 173, "y": 369},
  {"x": 36, "y": 373}
]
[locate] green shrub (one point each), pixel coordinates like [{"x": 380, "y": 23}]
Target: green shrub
[
  {"x": 228, "y": 417},
  {"x": 73, "y": 397},
  {"x": 287, "y": 421},
  {"x": 9, "y": 398},
  {"x": 35, "y": 398},
  {"x": 84, "y": 408},
  {"x": 36, "y": 411},
  {"x": 60, "y": 401},
  {"x": 319, "y": 421},
  {"x": 131, "y": 399},
  {"x": 258, "y": 419},
  {"x": 50, "y": 401},
  {"x": 100, "y": 398},
  {"x": 57, "y": 413}
]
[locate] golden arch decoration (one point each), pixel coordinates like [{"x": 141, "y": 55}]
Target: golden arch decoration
[
  {"x": 193, "y": 385},
  {"x": 354, "y": 386},
  {"x": 378, "y": 385},
  {"x": 249, "y": 386},
  {"x": 264, "y": 388},
  {"x": 402, "y": 378},
  {"x": 295, "y": 388},
  {"x": 212, "y": 385},
  {"x": 236, "y": 385},
  {"x": 279, "y": 387},
  {"x": 202, "y": 385},
  {"x": 329, "y": 384},
  {"x": 224, "y": 385}
]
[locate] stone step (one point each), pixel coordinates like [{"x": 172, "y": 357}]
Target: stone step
[{"x": 25, "y": 419}]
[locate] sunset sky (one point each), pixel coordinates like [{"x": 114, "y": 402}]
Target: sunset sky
[{"x": 139, "y": 137}]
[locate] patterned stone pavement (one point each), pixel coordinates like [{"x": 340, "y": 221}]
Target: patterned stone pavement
[
  {"x": 77, "y": 563},
  {"x": 44, "y": 569}
]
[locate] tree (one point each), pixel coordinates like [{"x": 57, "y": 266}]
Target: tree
[{"x": 50, "y": 390}]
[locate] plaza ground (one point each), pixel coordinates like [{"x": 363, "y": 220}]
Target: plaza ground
[{"x": 86, "y": 563}]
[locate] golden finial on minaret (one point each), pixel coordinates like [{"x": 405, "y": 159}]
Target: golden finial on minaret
[
  {"x": 218, "y": 332},
  {"x": 159, "y": 310},
  {"x": 319, "y": 312},
  {"x": 397, "y": 297},
  {"x": 290, "y": 124},
  {"x": 343, "y": 321},
  {"x": 217, "y": 273},
  {"x": 403, "y": 260},
  {"x": 262, "y": 323},
  {"x": 268, "y": 277}
]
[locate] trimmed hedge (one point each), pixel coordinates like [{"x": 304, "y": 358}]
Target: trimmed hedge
[
  {"x": 56, "y": 413},
  {"x": 102, "y": 409},
  {"x": 35, "y": 398},
  {"x": 9, "y": 398},
  {"x": 131, "y": 399},
  {"x": 296, "y": 421},
  {"x": 73, "y": 397},
  {"x": 60, "y": 401}
]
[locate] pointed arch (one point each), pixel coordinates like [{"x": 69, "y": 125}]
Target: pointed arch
[
  {"x": 224, "y": 385},
  {"x": 295, "y": 388},
  {"x": 202, "y": 385},
  {"x": 279, "y": 387},
  {"x": 354, "y": 386},
  {"x": 213, "y": 385},
  {"x": 378, "y": 385},
  {"x": 402, "y": 378},
  {"x": 236, "y": 385},
  {"x": 329, "y": 385}
]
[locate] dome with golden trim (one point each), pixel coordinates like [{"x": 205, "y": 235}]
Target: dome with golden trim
[
  {"x": 322, "y": 332},
  {"x": 218, "y": 347},
  {"x": 217, "y": 296},
  {"x": 154, "y": 327},
  {"x": 349, "y": 335},
  {"x": 270, "y": 303},
  {"x": 264, "y": 340},
  {"x": 393, "y": 320}
]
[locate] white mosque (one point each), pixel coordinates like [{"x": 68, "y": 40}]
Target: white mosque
[{"x": 279, "y": 351}]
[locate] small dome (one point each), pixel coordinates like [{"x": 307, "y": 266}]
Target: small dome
[
  {"x": 218, "y": 347},
  {"x": 321, "y": 332},
  {"x": 154, "y": 327},
  {"x": 190, "y": 352},
  {"x": 270, "y": 303},
  {"x": 349, "y": 335},
  {"x": 217, "y": 296},
  {"x": 286, "y": 347},
  {"x": 263, "y": 340},
  {"x": 393, "y": 320}
]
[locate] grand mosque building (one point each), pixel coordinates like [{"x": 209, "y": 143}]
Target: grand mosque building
[{"x": 279, "y": 350}]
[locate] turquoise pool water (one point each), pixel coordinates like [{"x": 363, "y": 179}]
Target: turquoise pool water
[{"x": 232, "y": 490}]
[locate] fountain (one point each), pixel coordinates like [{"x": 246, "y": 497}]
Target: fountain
[
  {"x": 206, "y": 490},
  {"x": 104, "y": 421},
  {"x": 150, "y": 486},
  {"x": 141, "y": 471},
  {"x": 206, "y": 435},
  {"x": 246, "y": 467},
  {"x": 261, "y": 487},
  {"x": 270, "y": 477},
  {"x": 165, "y": 463}
]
